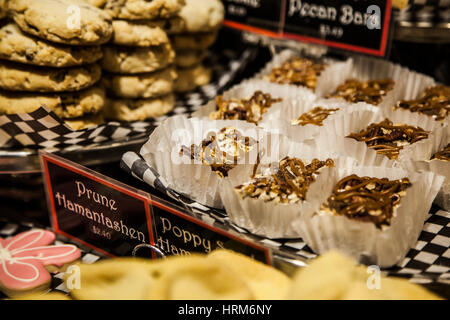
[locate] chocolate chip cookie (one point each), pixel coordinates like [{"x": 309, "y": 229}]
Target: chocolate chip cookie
[
  {"x": 138, "y": 33},
  {"x": 138, "y": 109},
  {"x": 19, "y": 77},
  {"x": 119, "y": 59},
  {"x": 202, "y": 15},
  {"x": 144, "y": 85},
  {"x": 142, "y": 9},
  {"x": 85, "y": 122},
  {"x": 73, "y": 22},
  {"x": 195, "y": 41},
  {"x": 20, "y": 47},
  {"x": 172, "y": 25},
  {"x": 189, "y": 58},
  {"x": 191, "y": 78},
  {"x": 65, "y": 105}
]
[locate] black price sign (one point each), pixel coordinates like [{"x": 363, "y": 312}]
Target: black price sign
[
  {"x": 114, "y": 219},
  {"x": 264, "y": 16},
  {"x": 354, "y": 25},
  {"x": 95, "y": 210},
  {"x": 177, "y": 233}
]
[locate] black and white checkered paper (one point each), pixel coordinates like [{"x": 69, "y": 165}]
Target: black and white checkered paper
[
  {"x": 42, "y": 129},
  {"x": 430, "y": 11},
  {"x": 427, "y": 262}
]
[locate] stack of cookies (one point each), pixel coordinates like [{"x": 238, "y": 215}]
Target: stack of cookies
[
  {"x": 48, "y": 57},
  {"x": 202, "y": 19},
  {"x": 138, "y": 62}
]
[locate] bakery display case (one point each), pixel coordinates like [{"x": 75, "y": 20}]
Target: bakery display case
[{"x": 215, "y": 150}]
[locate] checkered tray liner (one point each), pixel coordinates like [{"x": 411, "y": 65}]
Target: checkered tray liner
[
  {"x": 42, "y": 129},
  {"x": 434, "y": 3},
  {"x": 424, "y": 10},
  {"x": 427, "y": 262}
]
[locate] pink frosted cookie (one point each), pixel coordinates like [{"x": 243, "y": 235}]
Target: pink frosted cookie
[{"x": 27, "y": 258}]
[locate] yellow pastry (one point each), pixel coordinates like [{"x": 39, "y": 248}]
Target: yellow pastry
[
  {"x": 265, "y": 282},
  {"x": 334, "y": 276}
]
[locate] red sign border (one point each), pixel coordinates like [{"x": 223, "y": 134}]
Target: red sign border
[{"x": 283, "y": 35}]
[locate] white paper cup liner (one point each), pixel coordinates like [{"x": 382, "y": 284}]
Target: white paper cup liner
[
  {"x": 247, "y": 88},
  {"x": 422, "y": 119},
  {"x": 415, "y": 84},
  {"x": 275, "y": 220},
  {"x": 348, "y": 114},
  {"x": 443, "y": 197},
  {"x": 277, "y": 60},
  {"x": 422, "y": 150},
  {"x": 195, "y": 180},
  {"x": 439, "y": 167},
  {"x": 334, "y": 74},
  {"x": 365, "y": 68},
  {"x": 362, "y": 240}
]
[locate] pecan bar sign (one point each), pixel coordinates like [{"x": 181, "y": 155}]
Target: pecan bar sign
[{"x": 353, "y": 25}]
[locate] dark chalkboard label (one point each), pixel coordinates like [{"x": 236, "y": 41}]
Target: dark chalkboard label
[
  {"x": 353, "y": 25},
  {"x": 264, "y": 16},
  {"x": 95, "y": 210},
  {"x": 178, "y": 233}
]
